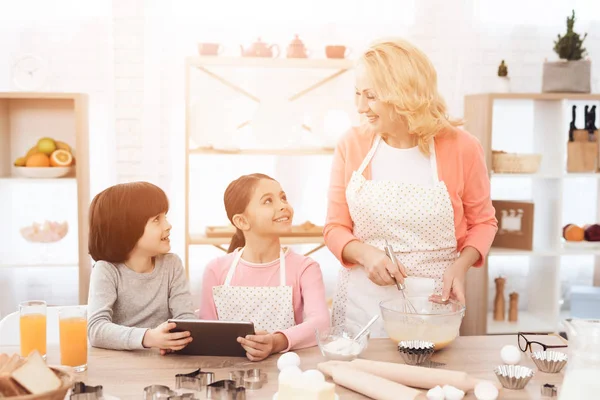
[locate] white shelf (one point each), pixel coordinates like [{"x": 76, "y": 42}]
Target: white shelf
[
  {"x": 527, "y": 322},
  {"x": 563, "y": 251},
  {"x": 566, "y": 175},
  {"x": 495, "y": 251},
  {"x": 273, "y": 152},
  {"x": 18, "y": 179},
  {"x": 26, "y": 266},
  {"x": 271, "y": 62}
]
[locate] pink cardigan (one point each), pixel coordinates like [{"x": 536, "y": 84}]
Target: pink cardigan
[{"x": 461, "y": 165}]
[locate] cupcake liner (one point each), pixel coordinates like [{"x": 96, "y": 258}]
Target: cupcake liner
[
  {"x": 551, "y": 362},
  {"x": 514, "y": 377},
  {"x": 415, "y": 352}
]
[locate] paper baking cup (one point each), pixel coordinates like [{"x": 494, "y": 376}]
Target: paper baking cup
[
  {"x": 551, "y": 362},
  {"x": 514, "y": 377},
  {"x": 415, "y": 352}
]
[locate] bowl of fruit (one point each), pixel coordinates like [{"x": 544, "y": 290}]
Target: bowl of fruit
[{"x": 48, "y": 159}]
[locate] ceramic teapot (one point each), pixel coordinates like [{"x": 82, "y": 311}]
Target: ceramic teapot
[
  {"x": 259, "y": 49},
  {"x": 296, "y": 49}
]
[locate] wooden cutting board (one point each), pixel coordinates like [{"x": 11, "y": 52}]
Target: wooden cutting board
[{"x": 307, "y": 229}]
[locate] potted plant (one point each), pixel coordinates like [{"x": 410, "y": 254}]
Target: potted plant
[
  {"x": 502, "y": 80},
  {"x": 571, "y": 73}
]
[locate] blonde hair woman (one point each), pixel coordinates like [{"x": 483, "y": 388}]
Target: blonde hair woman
[{"x": 408, "y": 176}]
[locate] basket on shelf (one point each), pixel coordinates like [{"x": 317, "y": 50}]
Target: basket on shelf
[{"x": 514, "y": 163}]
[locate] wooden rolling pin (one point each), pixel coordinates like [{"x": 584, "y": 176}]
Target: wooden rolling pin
[
  {"x": 408, "y": 375},
  {"x": 373, "y": 386}
]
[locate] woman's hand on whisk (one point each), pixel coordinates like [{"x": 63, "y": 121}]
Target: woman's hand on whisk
[{"x": 380, "y": 269}]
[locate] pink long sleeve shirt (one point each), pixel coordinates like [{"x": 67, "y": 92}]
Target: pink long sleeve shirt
[
  {"x": 302, "y": 273},
  {"x": 461, "y": 165}
]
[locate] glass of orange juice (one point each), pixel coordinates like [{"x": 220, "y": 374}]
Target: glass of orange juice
[
  {"x": 72, "y": 324},
  {"x": 32, "y": 326}
]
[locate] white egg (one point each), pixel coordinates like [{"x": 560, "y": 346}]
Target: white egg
[
  {"x": 486, "y": 391},
  {"x": 313, "y": 375},
  {"x": 452, "y": 393},
  {"x": 510, "y": 354},
  {"x": 291, "y": 373},
  {"x": 436, "y": 393},
  {"x": 288, "y": 360}
]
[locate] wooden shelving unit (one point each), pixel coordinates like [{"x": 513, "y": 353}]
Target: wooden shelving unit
[
  {"x": 548, "y": 136},
  {"x": 216, "y": 68},
  {"x": 24, "y": 118}
]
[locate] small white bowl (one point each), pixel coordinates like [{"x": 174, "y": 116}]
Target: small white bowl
[{"x": 43, "y": 172}]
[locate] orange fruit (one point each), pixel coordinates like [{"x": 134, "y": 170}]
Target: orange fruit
[
  {"x": 61, "y": 158},
  {"x": 38, "y": 160},
  {"x": 573, "y": 233},
  {"x": 32, "y": 151}
]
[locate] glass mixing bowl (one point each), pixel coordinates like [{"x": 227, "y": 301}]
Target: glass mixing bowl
[
  {"x": 336, "y": 342},
  {"x": 433, "y": 322}
]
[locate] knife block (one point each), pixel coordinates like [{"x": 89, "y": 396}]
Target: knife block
[{"x": 582, "y": 154}]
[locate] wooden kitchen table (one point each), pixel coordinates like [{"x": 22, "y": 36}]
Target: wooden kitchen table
[{"x": 124, "y": 374}]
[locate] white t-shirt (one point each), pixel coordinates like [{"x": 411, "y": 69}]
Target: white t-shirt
[{"x": 401, "y": 165}]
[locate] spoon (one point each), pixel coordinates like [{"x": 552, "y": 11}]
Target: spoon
[{"x": 363, "y": 330}]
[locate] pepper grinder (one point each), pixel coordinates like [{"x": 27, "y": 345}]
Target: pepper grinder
[
  {"x": 499, "y": 303},
  {"x": 513, "y": 309}
]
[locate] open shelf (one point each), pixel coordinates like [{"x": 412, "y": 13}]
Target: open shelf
[
  {"x": 199, "y": 239},
  {"x": 566, "y": 175},
  {"x": 533, "y": 123},
  {"x": 271, "y": 62},
  {"x": 275, "y": 152},
  {"x": 526, "y": 322},
  {"x": 536, "y": 96},
  {"x": 24, "y": 266},
  {"x": 25, "y": 117}
]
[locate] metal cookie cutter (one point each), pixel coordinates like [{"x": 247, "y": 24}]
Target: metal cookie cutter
[
  {"x": 184, "y": 396},
  {"x": 158, "y": 392},
  {"x": 225, "y": 390},
  {"x": 196, "y": 380},
  {"x": 83, "y": 392},
  {"x": 251, "y": 379},
  {"x": 548, "y": 390}
]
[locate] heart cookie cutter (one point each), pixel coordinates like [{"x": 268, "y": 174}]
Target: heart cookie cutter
[
  {"x": 196, "y": 380},
  {"x": 81, "y": 391},
  {"x": 225, "y": 390}
]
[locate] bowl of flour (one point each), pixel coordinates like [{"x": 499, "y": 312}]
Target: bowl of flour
[{"x": 337, "y": 342}]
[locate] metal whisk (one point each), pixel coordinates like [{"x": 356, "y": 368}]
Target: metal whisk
[{"x": 408, "y": 307}]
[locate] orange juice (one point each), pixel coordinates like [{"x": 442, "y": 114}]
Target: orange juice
[
  {"x": 73, "y": 342},
  {"x": 33, "y": 334}
]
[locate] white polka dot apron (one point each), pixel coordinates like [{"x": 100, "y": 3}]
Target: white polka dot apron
[
  {"x": 416, "y": 220},
  {"x": 270, "y": 308}
]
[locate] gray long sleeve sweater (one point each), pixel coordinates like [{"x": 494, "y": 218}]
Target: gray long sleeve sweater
[{"x": 123, "y": 304}]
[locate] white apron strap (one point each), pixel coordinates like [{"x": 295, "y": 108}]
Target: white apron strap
[
  {"x": 433, "y": 160},
  {"x": 369, "y": 156},
  {"x": 236, "y": 261}
]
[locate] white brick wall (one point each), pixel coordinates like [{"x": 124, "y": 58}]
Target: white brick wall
[
  {"x": 129, "y": 57},
  {"x": 128, "y": 35}
]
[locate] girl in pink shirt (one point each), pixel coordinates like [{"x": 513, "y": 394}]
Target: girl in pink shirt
[{"x": 280, "y": 291}]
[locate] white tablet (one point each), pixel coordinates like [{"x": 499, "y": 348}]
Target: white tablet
[{"x": 213, "y": 338}]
